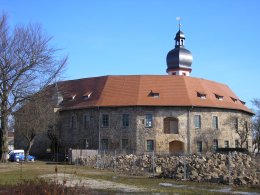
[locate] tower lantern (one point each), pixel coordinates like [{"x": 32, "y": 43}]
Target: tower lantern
[{"x": 179, "y": 59}]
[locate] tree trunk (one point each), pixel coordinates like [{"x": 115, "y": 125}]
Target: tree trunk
[
  {"x": 29, "y": 146},
  {"x": 3, "y": 138},
  {"x": 4, "y": 123},
  {"x": 241, "y": 144}
]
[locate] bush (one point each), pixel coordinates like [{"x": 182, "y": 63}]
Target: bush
[{"x": 40, "y": 187}]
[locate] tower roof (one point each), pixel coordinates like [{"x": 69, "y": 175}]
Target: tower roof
[
  {"x": 179, "y": 58},
  {"x": 179, "y": 35}
]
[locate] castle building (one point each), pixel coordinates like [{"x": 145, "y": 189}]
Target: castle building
[
  {"x": 173, "y": 113},
  {"x": 164, "y": 113}
]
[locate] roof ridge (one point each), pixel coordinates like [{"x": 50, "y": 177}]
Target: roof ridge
[
  {"x": 86, "y": 78},
  {"x": 210, "y": 81}
]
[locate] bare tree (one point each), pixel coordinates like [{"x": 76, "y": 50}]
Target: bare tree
[
  {"x": 34, "y": 118},
  {"x": 244, "y": 131},
  {"x": 242, "y": 126},
  {"x": 27, "y": 64},
  {"x": 256, "y": 125},
  {"x": 208, "y": 136},
  {"x": 53, "y": 135}
]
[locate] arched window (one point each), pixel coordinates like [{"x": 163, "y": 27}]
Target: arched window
[{"x": 171, "y": 125}]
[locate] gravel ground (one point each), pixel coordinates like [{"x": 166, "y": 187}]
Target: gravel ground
[{"x": 71, "y": 180}]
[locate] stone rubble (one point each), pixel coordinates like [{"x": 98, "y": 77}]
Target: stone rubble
[{"x": 238, "y": 168}]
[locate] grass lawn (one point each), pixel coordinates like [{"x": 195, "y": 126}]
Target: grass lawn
[{"x": 15, "y": 173}]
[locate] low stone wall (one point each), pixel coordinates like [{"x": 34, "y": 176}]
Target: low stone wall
[
  {"x": 220, "y": 168},
  {"x": 239, "y": 169}
]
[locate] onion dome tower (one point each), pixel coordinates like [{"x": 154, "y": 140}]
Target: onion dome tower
[{"x": 179, "y": 59}]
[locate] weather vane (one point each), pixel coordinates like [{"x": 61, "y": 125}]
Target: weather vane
[{"x": 179, "y": 20}]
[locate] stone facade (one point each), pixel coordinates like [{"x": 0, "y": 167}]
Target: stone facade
[{"x": 143, "y": 129}]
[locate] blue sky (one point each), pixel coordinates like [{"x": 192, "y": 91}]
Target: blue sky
[{"x": 132, "y": 37}]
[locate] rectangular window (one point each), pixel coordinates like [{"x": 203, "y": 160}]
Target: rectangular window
[
  {"x": 104, "y": 144},
  {"x": 197, "y": 121},
  {"x": 174, "y": 128},
  {"x": 125, "y": 120},
  {"x": 150, "y": 145},
  {"x": 247, "y": 145},
  {"x": 246, "y": 126},
  {"x": 199, "y": 146},
  {"x": 73, "y": 121},
  {"x": 236, "y": 123},
  {"x": 236, "y": 143},
  {"x": 215, "y": 122},
  {"x": 149, "y": 120},
  {"x": 226, "y": 144},
  {"x": 91, "y": 122},
  {"x": 86, "y": 121},
  {"x": 215, "y": 144},
  {"x": 105, "y": 120},
  {"x": 124, "y": 144}
]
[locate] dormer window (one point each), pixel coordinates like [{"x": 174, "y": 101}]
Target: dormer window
[
  {"x": 71, "y": 98},
  {"x": 201, "y": 95},
  {"x": 87, "y": 96},
  {"x": 154, "y": 94},
  {"x": 219, "y": 97},
  {"x": 234, "y": 99},
  {"x": 242, "y": 102},
  {"x": 57, "y": 98}
]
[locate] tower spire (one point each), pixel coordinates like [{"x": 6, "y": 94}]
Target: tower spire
[
  {"x": 179, "y": 59},
  {"x": 179, "y": 20}
]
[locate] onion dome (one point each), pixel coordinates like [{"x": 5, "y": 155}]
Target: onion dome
[{"x": 179, "y": 59}]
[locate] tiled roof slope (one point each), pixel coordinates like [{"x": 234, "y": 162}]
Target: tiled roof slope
[{"x": 147, "y": 90}]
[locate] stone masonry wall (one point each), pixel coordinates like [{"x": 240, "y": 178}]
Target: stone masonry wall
[
  {"x": 137, "y": 133},
  {"x": 235, "y": 168},
  {"x": 225, "y": 131}
]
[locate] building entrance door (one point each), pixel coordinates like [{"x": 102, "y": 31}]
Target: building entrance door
[{"x": 176, "y": 147}]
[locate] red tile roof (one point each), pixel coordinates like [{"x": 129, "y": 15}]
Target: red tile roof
[{"x": 135, "y": 90}]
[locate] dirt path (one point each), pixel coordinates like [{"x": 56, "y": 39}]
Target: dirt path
[
  {"x": 71, "y": 180},
  {"x": 95, "y": 184}
]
